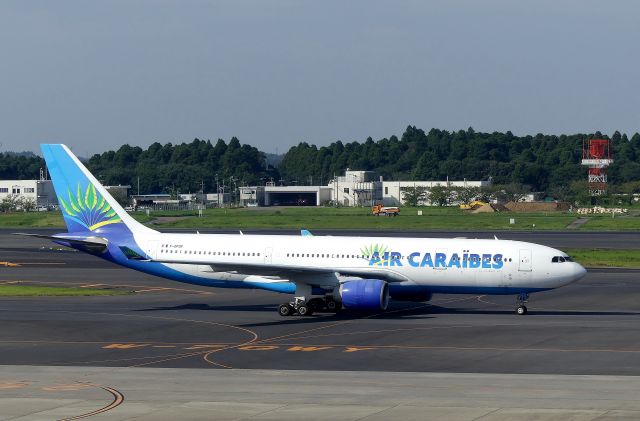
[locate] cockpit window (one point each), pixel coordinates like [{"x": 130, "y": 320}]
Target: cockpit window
[
  {"x": 568, "y": 259},
  {"x": 558, "y": 259}
]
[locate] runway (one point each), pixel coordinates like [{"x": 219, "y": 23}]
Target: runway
[
  {"x": 558, "y": 239},
  {"x": 174, "y": 351}
]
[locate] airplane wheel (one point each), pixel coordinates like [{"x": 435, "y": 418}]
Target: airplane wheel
[
  {"x": 315, "y": 304},
  {"x": 304, "y": 310},
  {"x": 332, "y": 305},
  {"x": 285, "y": 310},
  {"x": 521, "y": 310}
]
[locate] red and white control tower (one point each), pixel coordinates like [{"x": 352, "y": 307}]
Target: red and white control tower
[{"x": 596, "y": 154}]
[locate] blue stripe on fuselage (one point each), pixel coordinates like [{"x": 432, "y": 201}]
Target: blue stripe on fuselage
[{"x": 459, "y": 289}]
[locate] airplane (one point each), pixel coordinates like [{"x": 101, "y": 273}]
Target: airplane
[{"x": 322, "y": 273}]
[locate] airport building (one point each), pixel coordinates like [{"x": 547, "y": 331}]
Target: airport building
[
  {"x": 354, "y": 188},
  {"x": 392, "y": 190},
  {"x": 42, "y": 193},
  {"x": 39, "y": 191}
]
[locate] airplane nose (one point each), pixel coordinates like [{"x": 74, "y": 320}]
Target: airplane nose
[{"x": 578, "y": 271}]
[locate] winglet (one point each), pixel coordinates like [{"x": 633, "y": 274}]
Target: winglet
[{"x": 305, "y": 233}]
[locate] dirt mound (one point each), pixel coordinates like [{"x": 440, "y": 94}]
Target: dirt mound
[
  {"x": 499, "y": 207},
  {"x": 537, "y": 206},
  {"x": 483, "y": 209}
]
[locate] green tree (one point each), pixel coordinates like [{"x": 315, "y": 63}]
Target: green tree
[
  {"x": 27, "y": 204},
  {"x": 466, "y": 194},
  {"x": 512, "y": 192},
  {"x": 414, "y": 196},
  {"x": 440, "y": 195},
  {"x": 9, "y": 203}
]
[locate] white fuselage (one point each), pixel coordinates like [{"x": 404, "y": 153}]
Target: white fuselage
[{"x": 446, "y": 265}]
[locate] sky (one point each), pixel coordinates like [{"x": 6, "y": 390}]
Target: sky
[{"x": 98, "y": 74}]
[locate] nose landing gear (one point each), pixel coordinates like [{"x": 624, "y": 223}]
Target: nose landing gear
[{"x": 522, "y": 298}]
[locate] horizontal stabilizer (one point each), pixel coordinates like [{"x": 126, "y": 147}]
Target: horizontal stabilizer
[{"x": 93, "y": 244}]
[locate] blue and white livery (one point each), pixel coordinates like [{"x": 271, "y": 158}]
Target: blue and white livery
[{"x": 321, "y": 272}]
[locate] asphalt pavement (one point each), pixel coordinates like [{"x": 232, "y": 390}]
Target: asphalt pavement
[{"x": 588, "y": 329}]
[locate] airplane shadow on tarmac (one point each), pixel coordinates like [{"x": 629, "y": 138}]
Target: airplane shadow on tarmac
[
  {"x": 205, "y": 307},
  {"x": 397, "y": 312}
]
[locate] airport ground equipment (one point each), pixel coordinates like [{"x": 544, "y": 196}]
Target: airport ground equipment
[
  {"x": 472, "y": 205},
  {"x": 379, "y": 210}
]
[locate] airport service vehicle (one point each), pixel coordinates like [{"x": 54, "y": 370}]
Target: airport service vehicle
[
  {"x": 321, "y": 272},
  {"x": 378, "y": 210},
  {"x": 473, "y": 205}
]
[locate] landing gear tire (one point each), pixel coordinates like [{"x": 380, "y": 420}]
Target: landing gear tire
[
  {"x": 315, "y": 304},
  {"x": 522, "y": 298},
  {"x": 304, "y": 310},
  {"x": 285, "y": 310},
  {"x": 332, "y": 305}
]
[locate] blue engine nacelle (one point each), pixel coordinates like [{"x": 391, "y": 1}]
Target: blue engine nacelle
[{"x": 365, "y": 294}]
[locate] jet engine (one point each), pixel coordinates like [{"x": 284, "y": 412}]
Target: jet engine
[{"x": 365, "y": 294}]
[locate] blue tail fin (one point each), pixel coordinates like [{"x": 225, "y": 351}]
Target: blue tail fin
[{"x": 85, "y": 203}]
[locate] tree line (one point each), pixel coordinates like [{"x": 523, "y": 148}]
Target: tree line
[
  {"x": 187, "y": 167},
  {"x": 541, "y": 163}
]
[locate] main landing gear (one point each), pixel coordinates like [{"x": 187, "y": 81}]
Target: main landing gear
[
  {"x": 522, "y": 298},
  {"x": 302, "y": 307}
]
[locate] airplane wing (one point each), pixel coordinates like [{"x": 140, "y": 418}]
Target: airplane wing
[{"x": 302, "y": 273}]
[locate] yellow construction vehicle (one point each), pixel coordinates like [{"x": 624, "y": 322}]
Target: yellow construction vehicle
[{"x": 473, "y": 205}]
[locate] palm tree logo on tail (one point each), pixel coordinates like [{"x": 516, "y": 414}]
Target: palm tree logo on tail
[{"x": 88, "y": 208}]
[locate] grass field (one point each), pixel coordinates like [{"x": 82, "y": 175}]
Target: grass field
[
  {"x": 43, "y": 219},
  {"x": 432, "y": 218},
  {"x": 603, "y": 258},
  {"x": 40, "y": 291}
]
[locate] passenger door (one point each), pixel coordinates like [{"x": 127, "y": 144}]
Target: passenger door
[{"x": 524, "y": 264}]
